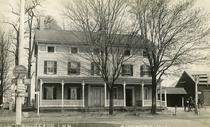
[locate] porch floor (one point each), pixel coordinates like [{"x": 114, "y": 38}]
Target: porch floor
[{"x": 97, "y": 109}]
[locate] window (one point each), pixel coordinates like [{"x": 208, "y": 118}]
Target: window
[
  {"x": 146, "y": 91},
  {"x": 145, "y": 71},
  {"x": 144, "y": 53},
  {"x": 127, "y": 70},
  {"x": 51, "y": 49},
  {"x": 127, "y": 52},
  {"x": 115, "y": 93},
  {"x": 74, "y": 93},
  {"x": 74, "y": 68},
  {"x": 74, "y": 50},
  {"x": 94, "y": 69},
  {"x": 50, "y": 67},
  {"x": 49, "y": 93},
  {"x": 96, "y": 51}
]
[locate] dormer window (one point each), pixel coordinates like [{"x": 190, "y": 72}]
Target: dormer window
[
  {"x": 74, "y": 50},
  {"x": 51, "y": 49}
]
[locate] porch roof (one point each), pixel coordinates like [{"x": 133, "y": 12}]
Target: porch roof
[
  {"x": 175, "y": 90},
  {"x": 93, "y": 80}
]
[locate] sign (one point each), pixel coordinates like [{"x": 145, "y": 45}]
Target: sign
[
  {"x": 20, "y": 71},
  {"x": 25, "y": 94},
  {"x": 27, "y": 81}
]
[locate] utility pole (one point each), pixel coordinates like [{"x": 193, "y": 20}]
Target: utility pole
[
  {"x": 20, "y": 55},
  {"x": 196, "y": 94}
]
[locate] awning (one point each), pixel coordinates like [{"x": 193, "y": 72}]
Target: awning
[{"x": 174, "y": 90}]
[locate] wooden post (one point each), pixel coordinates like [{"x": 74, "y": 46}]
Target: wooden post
[
  {"x": 62, "y": 91},
  {"x": 40, "y": 92},
  {"x": 196, "y": 94},
  {"x": 142, "y": 93},
  {"x": 83, "y": 93},
  {"x": 20, "y": 61},
  {"x": 105, "y": 95},
  {"x": 124, "y": 94},
  {"x": 165, "y": 98}
]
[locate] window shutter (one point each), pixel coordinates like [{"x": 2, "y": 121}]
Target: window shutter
[
  {"x": 45, "y": 93},
  {"x": 78, "y": 93},
  {"x": 69, "y": 67},
  {"x": 131, "y": 67},
  {"x": 54, "y": 93},
  {"x": 123, "y": 67},
  {"x": 92, "y": 68},
  {"x": 55, "y": 67},
  {"x": 141, "y": 70},
  {"x": 69, "y": 93},
  {"x": 78, "y": 71},
  {"x": 45, "y": 67}
]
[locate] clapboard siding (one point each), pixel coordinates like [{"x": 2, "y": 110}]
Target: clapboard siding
[{"x": 62, "y": 55}]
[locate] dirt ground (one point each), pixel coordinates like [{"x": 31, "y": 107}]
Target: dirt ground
[{"x": 122, "y": 119}]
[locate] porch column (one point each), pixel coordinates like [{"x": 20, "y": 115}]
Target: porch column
[
  {"x": 124, "y": 94},
  {"x": 104, "y": 94},
  {"x": 40, "y": 91},
  {"x": 142, "y": 93},
  {"x": 165, "y": 98},
  {"x": 83, "y": 93},
  {"x": 62, "y": 92}
]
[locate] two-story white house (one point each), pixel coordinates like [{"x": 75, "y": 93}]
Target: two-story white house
[{"x": 65, "y": 79}]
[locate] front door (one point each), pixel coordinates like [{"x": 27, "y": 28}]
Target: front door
[
  {"x": 129, "y": 97},
  {"x": 97, "y": 98}
]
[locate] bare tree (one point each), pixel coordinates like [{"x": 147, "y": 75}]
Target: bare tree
[
  {"x": 173, "y": 33},
  {"x": 107, "y": 35},
  {"x": 4, "y": 65}
]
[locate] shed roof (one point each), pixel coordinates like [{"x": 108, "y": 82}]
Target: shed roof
[{"x": 175, "y": 90}]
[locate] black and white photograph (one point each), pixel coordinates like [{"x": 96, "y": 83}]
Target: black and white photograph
[{"x": 104, "y": 63}]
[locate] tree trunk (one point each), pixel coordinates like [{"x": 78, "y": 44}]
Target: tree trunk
[
  {"x": 2, "y": 82},
  {"x": 154, "y": 87},
  {"x": 111, "y": 101}
]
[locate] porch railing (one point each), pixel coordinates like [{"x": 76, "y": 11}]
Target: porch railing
[
  {"x": 117, "y": 102},
  {"x": 158, "y": 102},
  {"x": 58, "y": 103}
]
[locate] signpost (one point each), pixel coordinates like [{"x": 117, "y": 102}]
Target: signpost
[{"x": 19, "y": 72}]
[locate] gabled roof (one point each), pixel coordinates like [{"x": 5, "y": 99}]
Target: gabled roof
[
  {"x": 204, "y": 76},
  {"x": 59, "y": 36},
  {"x": 76, "y": 37}
]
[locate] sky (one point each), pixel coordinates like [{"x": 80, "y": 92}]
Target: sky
[{"x": 55, "y": 8}]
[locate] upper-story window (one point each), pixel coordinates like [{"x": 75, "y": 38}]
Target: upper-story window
[
  {"x": 145, "y": 71},
  {"x": 127, "y": 52},
  {"x": 96, "y": 51},
  {"x": 94, "y": 69},
  {"x": 127, "y": 70},
  {"x": 50, "y": 67},
  {"x": 74, "y": 93},
  {"x": 144, "y": 53},
  {"x": 74, "y": 68},
  {"x": 51, "y": 49},
  {"x": 74, "y": 50}
]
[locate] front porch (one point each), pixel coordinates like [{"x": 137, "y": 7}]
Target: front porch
[{"x": 87, "y": 95}]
